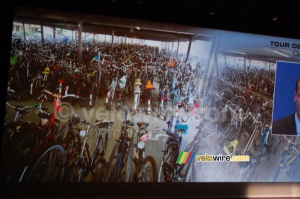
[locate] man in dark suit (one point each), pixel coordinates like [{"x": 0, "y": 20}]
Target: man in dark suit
[{"x": 289, "y": 125}]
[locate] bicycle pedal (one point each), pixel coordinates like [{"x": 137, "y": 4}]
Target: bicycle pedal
[{"x": 181, "y": 174}]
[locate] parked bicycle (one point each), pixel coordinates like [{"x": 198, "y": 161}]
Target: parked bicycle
[
  {"x": 89, "y": 162},
  {"x": 119, "y": 165},
  {"x": 170, "y": 170},
  {"x": 144, "y": 169},
  {"x": 290, "y": 160}
]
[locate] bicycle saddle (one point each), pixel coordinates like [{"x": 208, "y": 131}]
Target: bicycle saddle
[
  {"x": 104, "y": 123},
  {"x": 142, "y": 125},
  {"x": 44, "y": 115},
  {"x": 180, "y": 105},
  {"x": 129, "y": 122}
]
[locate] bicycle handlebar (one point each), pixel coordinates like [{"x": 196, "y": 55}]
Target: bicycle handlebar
[{"x": 16, "y": 108}]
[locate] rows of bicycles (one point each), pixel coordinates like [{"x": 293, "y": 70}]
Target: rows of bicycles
[
  {"x": 238, "y": 122},
  {"x": 233, "y": 113},
  {"x": 105, "y": 71},
  {"x": 49, "y": 150}
]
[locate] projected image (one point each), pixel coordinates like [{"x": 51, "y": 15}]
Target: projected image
[
  {"x": 284, "y": 118},
  {"x": 103, "y": 99}
]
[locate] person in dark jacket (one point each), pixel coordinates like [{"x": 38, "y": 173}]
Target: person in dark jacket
[{"x": 289, "y": 125}]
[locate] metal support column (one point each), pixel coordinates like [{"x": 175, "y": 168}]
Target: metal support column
[{"x": 79, "y": 43}]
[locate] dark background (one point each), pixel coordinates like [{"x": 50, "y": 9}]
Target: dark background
[{"x": 259, "y": 17}]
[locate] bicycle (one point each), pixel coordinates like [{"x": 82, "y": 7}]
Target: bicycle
[
  {"x": 119, "y": 165},
  {"x": 163, "y": 102},
  {"x": 148, "y": 95},
  {"x": 263, "y": 142},
  {"x": 12, "y": 127},
  {"x": 88, "y": 162},
  {"x": 34, "y": 146},
  {"x": 256, "y": 131},
  {"x": 50, "y": 166},
  {"x": 169, "y": 171},
  {"x": 111, "y": 94},
  {"x": 137, "y": 94},
  {"x": 207, "y": 137},
  {"x": 290, "y": 160},
  {"x": 145, "y": 167}
]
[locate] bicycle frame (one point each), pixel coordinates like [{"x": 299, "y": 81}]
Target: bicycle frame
[
  {"x": 137, "y": 94},
  {"x": 87, "y": 160},
  {"x": 255, "y": 133},
  {"x": 265, "y": 134}
]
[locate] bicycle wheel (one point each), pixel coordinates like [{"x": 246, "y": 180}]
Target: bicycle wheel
[
  {"x": 76, "y": 171},
  {"x": 99, "y": 159},
  {"x": 71, "y": 143},
  {"x": 167, "y": 114},
  {"x": 82, "y": 102},
  {"x": 49, "y": 166},
  {"x": 194, "y": 90},
  {"x": 189, "y": 173},
  {"x": 111, "y": 173},
  {"x": 9, "y": 130},
  {"x": 93, "y": 94},
  {"x": 148, "y": 170},
  {"x": 166, "y": 170},
  {"x": 195, "y": 171},
  {"x": 15, "y": 155},
  {"x": 159, "y": 112},
  {"x": 281, "y": 172},
  {"x": 239, "y": 101},
  {"x": 129, "y": 167},
  {"x": 258, "y": 142}
]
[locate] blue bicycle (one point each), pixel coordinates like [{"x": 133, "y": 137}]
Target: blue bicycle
[
  {"x": 263, "y": 142},
  {"x": 119, "y": 168}
]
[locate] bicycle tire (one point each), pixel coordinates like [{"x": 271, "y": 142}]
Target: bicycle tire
[
  {"x": 278, "y": 171},
  {"x": 94, "y": 94},
  {"x": 9, "y": 130},
  {"x": 188, "y": 176},
  {"x": 165, "y": 167},
  {"x": 129, "y": 167},
  {"x": 99, "y": 159},
  {"x": 166, "y": 115},
  {"x": 111, "y": 169},
  {"x": 159, "y": 111},
  {"x": 71, "y": 142},
  {"x": 257, "y": 142},
  {"x": 194, "y": 90},
  {"x": 82, "y": 102},
  {"x": 148, "y": 165},
  {"x": 240, "y": 101},
  {"x": 16, "y": 155},
  {"x": 76, "y": 172},
  {"x": 282, "y": 164},
  {"x": 52, "y": 166}
]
